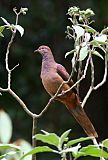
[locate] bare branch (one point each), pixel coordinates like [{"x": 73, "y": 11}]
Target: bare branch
[{"x": 92, "y": 83}]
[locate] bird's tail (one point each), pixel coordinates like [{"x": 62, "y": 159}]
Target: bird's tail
[{"x": 81, "y": 117}]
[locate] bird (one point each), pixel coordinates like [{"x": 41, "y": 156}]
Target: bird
[{"x": 53, "y": 75}]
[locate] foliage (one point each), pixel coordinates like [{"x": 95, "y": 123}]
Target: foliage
[
  {"x": 13, "y": 150},
  {"x": 62, "y": 146},
  {"x": 87, "y": 39}
]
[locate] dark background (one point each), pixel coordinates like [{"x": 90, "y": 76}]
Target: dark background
[{"x": 45, "y": 23}]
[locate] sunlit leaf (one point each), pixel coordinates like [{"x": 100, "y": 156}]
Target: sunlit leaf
[
  {"x": 83, "y": 53},
  {"x": 5, "y": 127},
  {"x": 89, "y": 29},
  {"x": 72, "y": 142},
  {"x": 105, "y": 143},
  {"x": 79, "y": 31},
  {"x": 38, "y": 150},
  {"x": 92, "y": 150},
  {"x": 97, "y": 54},
  {"x": 101, "y": 38},
  {"x": 50, "y": 138},
  {"x": 20, "y": 29},
  {"x": 63, "y": 138}
]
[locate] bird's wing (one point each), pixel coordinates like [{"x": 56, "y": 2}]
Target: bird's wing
[{"x": 64, "y": 74}]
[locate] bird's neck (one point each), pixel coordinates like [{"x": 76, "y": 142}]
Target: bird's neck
[{"x": 47, "y": 62}]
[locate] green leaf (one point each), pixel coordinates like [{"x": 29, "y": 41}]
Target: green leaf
[
  {"x": 9, "y": 146},
  {"x": 74, "y": 150},
  {"x": 2, "y": 28},
  {"x": 68, "y": 53},
  {"x": 89, "y": 29},
  {"x": 38, "y": 150},
  {"x": 105, "y": 143},
  {"x": 97, "y": 54},
  {"x": 79, "y": 31},
  {"x": 72, "y": 142},
  {"x": 50, "y": 138},
  {"x": 20, "y": 29},
  {"x": 92, "y": 150},
  {"x": 83, "y": 53},
  {"x": 63, "y": 138},
  {"x": 5, "y": 127},
  {"x": 1, "y": 35}
]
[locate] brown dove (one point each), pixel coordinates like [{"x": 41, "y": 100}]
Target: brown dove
[{"x": 52, "y": 75}]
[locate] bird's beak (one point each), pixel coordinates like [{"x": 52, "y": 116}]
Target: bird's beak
[{"x": 36, "y": 51}]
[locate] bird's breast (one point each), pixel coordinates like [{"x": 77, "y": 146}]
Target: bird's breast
[{"x": 50, "y": 82}]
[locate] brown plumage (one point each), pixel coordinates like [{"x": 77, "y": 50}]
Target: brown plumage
[{"x": 52, "y": 75}]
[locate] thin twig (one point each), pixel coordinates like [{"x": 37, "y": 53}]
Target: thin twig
[
  {"x": 82, "y": 77},
  {"x": 92, "y": 83}
]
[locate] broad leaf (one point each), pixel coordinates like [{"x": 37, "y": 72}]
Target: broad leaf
[
  {"x": 83, "y": 53},
  {"x": 105, "y": 143},
  {"x": 72, "y": 142},
  {"x": 38, "y": 150},
  {"x": 92, "y": 150},
  {"x": 5, "y": 127},
  {"x": 20, "y": 29},
  {"x": 50, "y": 138},
  {"x": 79, "y": 31},
  {"x": 97, "y": 54},
  {"x": 63, "y": 138}
]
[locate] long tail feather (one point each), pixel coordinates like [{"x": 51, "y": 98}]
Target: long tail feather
[{"x": 81, "y": 117}]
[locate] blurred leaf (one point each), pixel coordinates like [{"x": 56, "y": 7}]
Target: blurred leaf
[
  {"x": 50, "y": 138},
  {"x": 5, "y": 127},
  {"x": 79, "y": 31},
  {"x": 105, "y": 143},
  {"x": 83, "y": 53},
  {"x": 9, "y": 146},
  {"x": 63, "y": 138},
  {"x": 38, "y": 150},
  {"x": 20, "y": 29},
  {"x": 68, "y": 53},
  {"x": 1, "y": 35},
  {"x": 92, "y": 150},
  {"x": 2, "y": 28},
  {"x": 72, "y": 142},
  {"x": 25, "y": 147},
  {"x": 97, "y": 54}
]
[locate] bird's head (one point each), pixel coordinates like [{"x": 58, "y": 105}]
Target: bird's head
[{"x": 43, "y": 50}]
